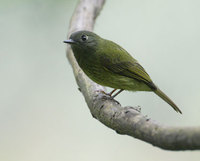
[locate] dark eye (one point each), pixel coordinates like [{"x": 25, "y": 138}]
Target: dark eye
[{"x": 84, "y": 37}]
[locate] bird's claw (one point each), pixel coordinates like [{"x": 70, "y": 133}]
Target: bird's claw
[{"x": 107, "y": 96}]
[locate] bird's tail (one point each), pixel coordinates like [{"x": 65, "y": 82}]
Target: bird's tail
[{"x": 167, "y": 99}]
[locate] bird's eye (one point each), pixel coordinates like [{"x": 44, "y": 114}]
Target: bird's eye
[{"x": 84, "y": 37}]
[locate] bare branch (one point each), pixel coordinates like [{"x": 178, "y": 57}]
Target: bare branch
[{"x": 124, "y": 120}]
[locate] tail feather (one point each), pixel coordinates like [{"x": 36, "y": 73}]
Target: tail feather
[{"x": 167, "y": 99}]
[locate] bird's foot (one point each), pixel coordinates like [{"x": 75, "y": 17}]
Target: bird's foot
[
  {"x": 108, "y": 96},
  {"x": 102, "y": 92}
]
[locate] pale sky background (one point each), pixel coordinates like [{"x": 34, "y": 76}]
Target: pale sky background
[{"x": 43, "y": 117}]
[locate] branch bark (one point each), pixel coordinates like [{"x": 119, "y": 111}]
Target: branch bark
[{"x": 124, "y": 120}]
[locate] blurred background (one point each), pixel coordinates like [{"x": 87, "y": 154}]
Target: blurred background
[{"x": 43, "y": 116}]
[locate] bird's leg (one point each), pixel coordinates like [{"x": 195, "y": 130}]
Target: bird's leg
[
  {"x": 110, "y": 94},
  {"x": 116, "y": 93}
]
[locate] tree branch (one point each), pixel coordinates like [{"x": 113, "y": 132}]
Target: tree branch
[{"x": 124, "y": 120}]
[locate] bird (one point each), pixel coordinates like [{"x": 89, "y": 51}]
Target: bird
[{"x": 108, "y": 64}]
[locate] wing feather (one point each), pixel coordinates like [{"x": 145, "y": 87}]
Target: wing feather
[{"x": 130, "y": 69}]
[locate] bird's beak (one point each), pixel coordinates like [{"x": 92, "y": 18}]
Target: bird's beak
[{"x": 70, "y": 41}]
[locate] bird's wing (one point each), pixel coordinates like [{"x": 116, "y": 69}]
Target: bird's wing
[{"x": 130, "y": 68}]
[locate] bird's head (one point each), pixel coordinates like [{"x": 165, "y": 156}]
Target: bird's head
[{"x": 83, "y": 40}]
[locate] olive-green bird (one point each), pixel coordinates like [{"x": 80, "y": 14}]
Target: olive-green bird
[{"x": 108, "y": 64}]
